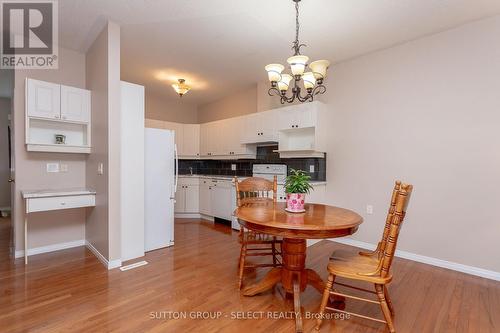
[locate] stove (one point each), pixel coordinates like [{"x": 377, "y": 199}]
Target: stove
[{"x": 268, "y": 171}]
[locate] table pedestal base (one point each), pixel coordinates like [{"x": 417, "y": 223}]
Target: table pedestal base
[{"x": 293, "y": 276}]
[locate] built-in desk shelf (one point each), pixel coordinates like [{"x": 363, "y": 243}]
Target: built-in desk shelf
[{"x": 49, "y": 200}]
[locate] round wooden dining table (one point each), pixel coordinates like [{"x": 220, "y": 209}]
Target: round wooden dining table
[{"x": 317, "y": 222}]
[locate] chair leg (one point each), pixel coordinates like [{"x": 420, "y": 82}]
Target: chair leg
[
  {"x": 385, "y": 308},
  {"x": 324, "y": 300},
  {"x": 242, "y": 264},
  {"x": 273, "y": 246},
  {"x": 239, "y": 258},
  {"x": 388, "y": 299}
]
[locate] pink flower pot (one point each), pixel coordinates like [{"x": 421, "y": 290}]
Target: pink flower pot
[{"x": 295, "y": 202}]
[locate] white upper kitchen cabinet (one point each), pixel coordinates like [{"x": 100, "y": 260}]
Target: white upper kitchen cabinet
[
  {"x": 260, "y": 127},
  {"x": 232, "y": 139},
  {"x": 222, "y": 140},
  {"x": 298, "y": 116},
  {"x": 216, "y": 132},
  {"x": 204, "y": 138},
  {"x": 191, "y": 141},
  {"x": 58, "y": 118},
  {"x": 304, "y": 130},
  {"x": 43, "y": 99},
  {"x": 75, "y": 104},
  {"x": 211, "y": 138},
  {"x": 187, "y": 137}
]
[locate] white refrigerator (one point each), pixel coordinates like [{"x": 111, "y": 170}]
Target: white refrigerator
[{"x": 161, "y": 169}]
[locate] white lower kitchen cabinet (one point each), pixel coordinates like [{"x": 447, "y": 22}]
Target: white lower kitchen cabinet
[
  {"x": 205, "y": 197},
  {"x": 187, "y": 196},
  {"x": 209, "y": 197},
  {"x": 221, "y": 198},
  {"x": 215, "y": 196}
]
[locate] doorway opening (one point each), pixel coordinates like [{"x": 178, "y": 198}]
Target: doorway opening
[{"x": 6, "y": 164}]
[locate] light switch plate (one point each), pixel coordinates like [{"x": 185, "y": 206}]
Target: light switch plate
[
  {"x": 100, "y": 168},
  {"x": 64, "y": 167},
  {"x": 52, "y": 167},
  {"x": 311, "y": 168},
  {"x": 369, "y": 209},
  {"x": 233, "y": 167}
]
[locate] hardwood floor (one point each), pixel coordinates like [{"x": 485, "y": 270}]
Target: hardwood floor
[{"x": 70, "y": 291}]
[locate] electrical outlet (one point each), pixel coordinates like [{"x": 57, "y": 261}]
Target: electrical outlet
[
  {"x": 369, "y": 209},
  {"x": 64, "y": 167},
  {"x": 233, "y": 167},
  {"x": 52, "y": 167},
  {"x": 100, "y": 168},
  {"x": 311, "y": 168}
]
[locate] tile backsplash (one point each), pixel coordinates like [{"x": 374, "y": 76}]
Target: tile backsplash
[{"x": 244, "y": 167}]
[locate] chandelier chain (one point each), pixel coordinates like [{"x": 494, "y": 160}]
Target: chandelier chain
[
  {"x": 296, "y": 44},
  {"x": 297, "y": 24}
]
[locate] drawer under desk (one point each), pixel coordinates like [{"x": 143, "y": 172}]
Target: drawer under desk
[{"x": 61, "y": 202}]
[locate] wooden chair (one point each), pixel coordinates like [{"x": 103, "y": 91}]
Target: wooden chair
[
  {"x": 373, "y": 267},
  {"x": 253, "y": 243}
]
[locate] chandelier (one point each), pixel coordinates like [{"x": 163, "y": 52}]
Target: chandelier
[
  {"x": 181, "y": 87},
  {"x": 312, "y": 80}
]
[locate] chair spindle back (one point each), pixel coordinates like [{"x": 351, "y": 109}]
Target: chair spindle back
[
  {"x": 254, "y": 188},
  {"x": 402, "y": 200}
]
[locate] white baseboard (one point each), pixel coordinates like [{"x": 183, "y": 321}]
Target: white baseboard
[
  {"x": 492, "y": 275},
  {"x": 187, "y": 215},
  {"x": 206, "y": 217},
  {"x": 108, "y": 264},
  {"x": 50, "y": 248}
]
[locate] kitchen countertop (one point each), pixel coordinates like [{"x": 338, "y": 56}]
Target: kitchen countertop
[{"x": 313, "y": 182}]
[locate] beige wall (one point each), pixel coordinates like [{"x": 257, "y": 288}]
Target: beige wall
[
  {"x": 103, "y": 79},
  {"x": 49, "y": 227},
  {"x": 179, "y": 111},
  {"x": 237, "y": 104},
  {"x": 5, "y": 109},
  {"x": 425, "y": 112},
  {"x": 114, "y": 139}
]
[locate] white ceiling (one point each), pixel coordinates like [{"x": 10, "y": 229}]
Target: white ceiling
[{"x": 220, "y": 46}]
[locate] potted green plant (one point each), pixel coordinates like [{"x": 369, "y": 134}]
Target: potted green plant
[{"x": 297, "y": 185}]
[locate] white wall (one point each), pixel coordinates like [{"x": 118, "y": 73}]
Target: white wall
[
  {"x": 103, "y": 79},
  {"x": 180, "y": 110},
  {"x": 47, "y": 228},
  {"x": 426, "y": 112},
  {"x": 237, "y": 104},
  {"x": 5, "y": 110}
]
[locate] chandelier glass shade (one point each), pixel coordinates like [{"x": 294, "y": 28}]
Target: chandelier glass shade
[
  {"x": 311, "y": 80},
  {"x": 181, "y": 87}
]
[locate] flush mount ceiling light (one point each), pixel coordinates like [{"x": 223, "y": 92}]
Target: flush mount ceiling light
[
  {"x": 181, "y": 87},
  {"x": 312, "y": 80}
]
